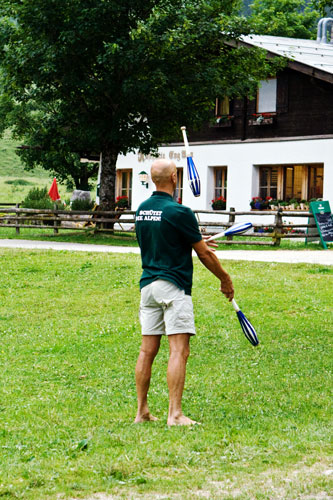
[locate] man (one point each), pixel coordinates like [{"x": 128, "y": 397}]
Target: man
[{"x": 167, "y": 232}]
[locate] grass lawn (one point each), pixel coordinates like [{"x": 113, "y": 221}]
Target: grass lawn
[
  {"x": 119, "y": 238},
  {"x": 69, "y": 342}
]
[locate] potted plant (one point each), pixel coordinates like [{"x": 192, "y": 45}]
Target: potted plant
[
  {"x": 273, "y": 204},
  {"x": 267, "y": 202},
  {"x": 258, "y": 203},
  {"x": 219, "y": 203},
  {"x": 293, "y": 203},
  {"x": 255, "y": 203},
  {"x": 283, "y": 204}
]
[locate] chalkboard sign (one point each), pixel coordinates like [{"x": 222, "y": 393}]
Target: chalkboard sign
[{"x": 322, "y": 215}]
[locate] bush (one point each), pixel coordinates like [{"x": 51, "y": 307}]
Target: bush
[
  {"x": 38, "y": 198},
  {"x": 82, "y": 205},
  {"x": 18, "y": 182}
]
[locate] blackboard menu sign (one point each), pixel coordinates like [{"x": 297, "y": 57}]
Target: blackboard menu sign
[{"x": 324, "y": 222}]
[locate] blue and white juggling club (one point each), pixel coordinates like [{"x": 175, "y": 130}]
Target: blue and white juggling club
[
  {"x": 247, "y": 328},
  {"x": 235, "y": 229},
  {"x": 192, "y": 173}
]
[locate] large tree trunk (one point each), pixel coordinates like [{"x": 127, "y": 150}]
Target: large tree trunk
[{"x": 107, "y": 192}]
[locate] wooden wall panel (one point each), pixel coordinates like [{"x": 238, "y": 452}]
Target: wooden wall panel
[{"x": 304, "y": 108}]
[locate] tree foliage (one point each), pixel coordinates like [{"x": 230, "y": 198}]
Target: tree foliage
[
  {"x": 325, "y": 7},
  {"x": 289, "y": 18},
  {"x": 89, "y": 76}
]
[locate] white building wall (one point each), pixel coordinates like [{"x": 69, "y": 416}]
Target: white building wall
[{"x": 241, "y": 159}]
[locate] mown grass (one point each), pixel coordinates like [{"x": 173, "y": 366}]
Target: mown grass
[
  {"x": 69, "y": 236},
  {"x": 69, "y": 342}
]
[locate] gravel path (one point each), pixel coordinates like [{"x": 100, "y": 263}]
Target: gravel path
[{"x": 322, "y": 257}]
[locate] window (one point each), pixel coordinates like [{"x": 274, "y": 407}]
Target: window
[
  {"x": 178, "y": 194},
  {"x": 220, "y": 182},
  {"x": 124, "y": 184},
  {"x": 293, "y": 182},
  {"x": 286, "y": 182},
  {"x": 315, "y": 182},
  {"x": 222, "y": 106},
  {"x": 266, "y": 96},
  {"x": 268, "y": 182}
]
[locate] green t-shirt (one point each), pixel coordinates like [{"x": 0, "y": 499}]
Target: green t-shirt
[{"x": 166, "y": 231}]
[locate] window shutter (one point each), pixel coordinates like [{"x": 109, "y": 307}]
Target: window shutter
[
  {"x": 282, "y": 93},
  {"x": 251, "y": 107}
]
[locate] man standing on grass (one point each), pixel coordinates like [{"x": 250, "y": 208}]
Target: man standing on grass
[{"x": 167, "y": 232}]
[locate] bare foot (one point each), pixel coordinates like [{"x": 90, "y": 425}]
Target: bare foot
[
  {"x": 147, "y": 417},
  {"x": 182, "y": 420}
]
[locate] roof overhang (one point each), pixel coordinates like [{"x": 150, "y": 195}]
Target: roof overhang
[{"x": 292, "y": 64}]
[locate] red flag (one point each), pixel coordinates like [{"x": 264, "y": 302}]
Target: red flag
[{"x": 54, "y": 193}]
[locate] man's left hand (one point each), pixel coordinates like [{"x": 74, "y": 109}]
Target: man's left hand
[{"x": 211, "y": 243}]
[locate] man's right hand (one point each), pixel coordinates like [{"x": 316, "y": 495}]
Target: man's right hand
[
  {"x": 227, "y": 288},
  {"x": 209, "y": 259}
]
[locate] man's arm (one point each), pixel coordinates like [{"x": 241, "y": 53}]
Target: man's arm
[{"x": 209, "y": 260}]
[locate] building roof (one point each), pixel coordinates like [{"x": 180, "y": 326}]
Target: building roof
[{"x": 315, "y": 58}]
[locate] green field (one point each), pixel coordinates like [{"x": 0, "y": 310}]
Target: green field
[{"x": 69, "y": 341}]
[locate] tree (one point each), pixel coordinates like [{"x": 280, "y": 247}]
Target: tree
[
  {"x": 43, "y": 147},
  {"x": 91, "y": 76},
  {"x": 289, "y": 18}
]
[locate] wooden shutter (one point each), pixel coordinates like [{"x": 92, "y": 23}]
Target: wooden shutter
[{"x": 282, "y": 93}]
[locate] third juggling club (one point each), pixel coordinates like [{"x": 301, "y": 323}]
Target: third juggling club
[
  {"x": 247, "y": 328},
  {"x": 192, "y": 173},
  {"x": 235, "y": 229}
]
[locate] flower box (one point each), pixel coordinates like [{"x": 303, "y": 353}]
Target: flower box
[
  {"x": 223, "y": 121},
  {"x": 262, "y": 119}
]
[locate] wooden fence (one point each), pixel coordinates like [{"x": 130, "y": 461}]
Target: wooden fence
[
  {"x": 210, "y": 222},
  {"x": 274, "y": 230}
]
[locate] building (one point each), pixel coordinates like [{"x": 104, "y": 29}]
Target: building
[{"x": 278, "y": 145}]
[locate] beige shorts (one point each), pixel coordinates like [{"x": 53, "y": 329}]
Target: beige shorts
[{"x": 165, "y": 310}]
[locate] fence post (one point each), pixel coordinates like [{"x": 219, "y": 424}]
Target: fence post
[
  {"x": 232, "y": 218},
  {"x": 278, "y": 227},
  {"x": 55, "y": 222},
  {"x": 17, "y": 228}
]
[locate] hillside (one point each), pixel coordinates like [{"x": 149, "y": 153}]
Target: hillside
[
  {"x": 246, "y": 10},
  {"x": 10, "y": 163},
  {"x": 15, "y": 182}
]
